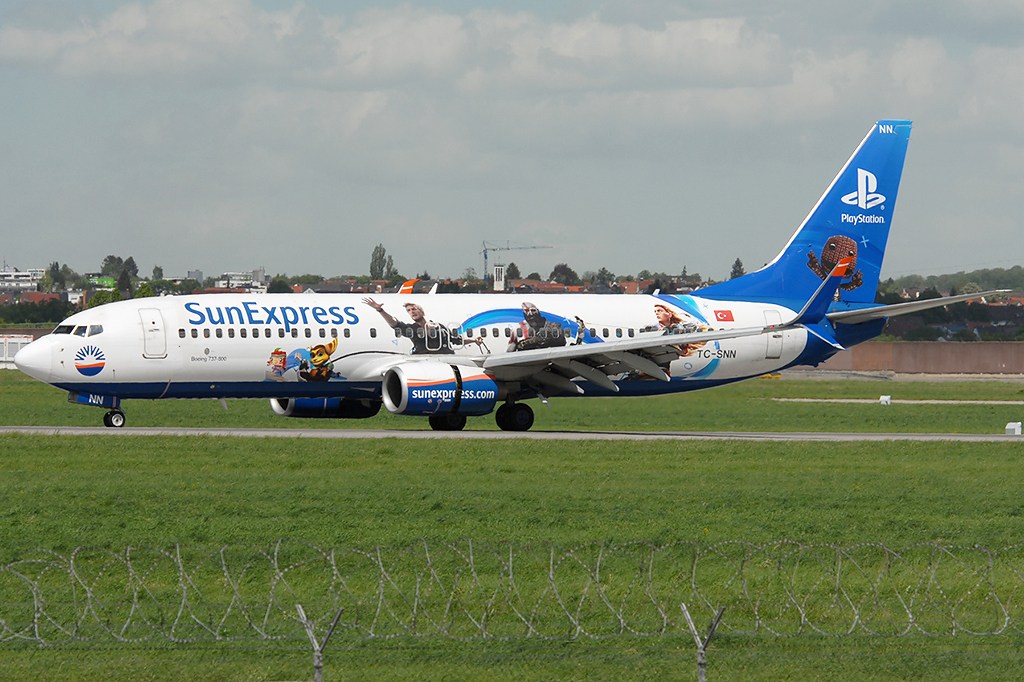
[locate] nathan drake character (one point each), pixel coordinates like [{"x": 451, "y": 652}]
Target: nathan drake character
[{"x": 428, "y": 337}]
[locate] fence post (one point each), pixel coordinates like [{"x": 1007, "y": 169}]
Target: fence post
[
  {"x": 318, "y": 647},
  {"x": 702, "y": 645}
]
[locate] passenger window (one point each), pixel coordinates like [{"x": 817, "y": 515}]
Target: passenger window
[
  {"x": 295, "y": 333},
  {"x": 567, "y": 332},
  {"x": 181, "y": 333},
  {"x": 593, "y": 333},
  {"x": 348, "y": 332},
  {"x": 494, "y": 332},
  {"x": 95, "y": 329},
  {"x": 398, "y": 332},
  {"x": 408, "y": 332},
  {"x": 630, "y": 332},
  {"x": 323, "y": 333},
  {"x": 206, "y": 333},
  {"x": 81, "y": 331},
  {"x": 220, "y": 333},
  {"x": 373, "y": 332},
  {"x": 195, "y": 333},
  {"x": 508, "y": 333},
  {"x": 280, "y": 332},
  {"x": 266, "y": 333},
  {"x": 469, "y": 332},
  {"x": 309, "y": 332},
  {"x": 519, "y": 332},
  {"x": 618, "y": 333},
  {"x": 419, "y": 332},
  {"x": 242, "y": 332},
  {"x": 231, "y": 332}
]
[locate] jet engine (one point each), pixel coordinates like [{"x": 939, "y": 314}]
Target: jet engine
[
  {"x": 325, "y": 408},
  {"x": 438, "y": 388}
]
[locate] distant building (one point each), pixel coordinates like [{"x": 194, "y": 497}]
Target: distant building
[
  {"x": 41, "y": 297},
  {"x": 254, "y": 281},
  {"x": 101, "y": 281},
  {"x": 14, "y": 281},
  {"x": 197, "y": 275}
]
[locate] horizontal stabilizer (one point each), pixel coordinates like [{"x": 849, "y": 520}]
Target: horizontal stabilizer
[{"x": 896, "y": 309}]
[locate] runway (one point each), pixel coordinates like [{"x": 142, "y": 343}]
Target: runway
[{"x": 348, "y": 434}]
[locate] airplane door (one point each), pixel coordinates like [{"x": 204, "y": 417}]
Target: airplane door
[
  {"x": 154, "y": 338},
  {"x": 774, "y": 349}
]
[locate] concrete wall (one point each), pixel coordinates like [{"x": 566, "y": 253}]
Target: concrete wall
[
  {"x": 924, "y": 357},
  {"x": 34, "y": 332}
]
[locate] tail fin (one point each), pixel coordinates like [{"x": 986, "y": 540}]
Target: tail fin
[{"x": 850, "y": 220}]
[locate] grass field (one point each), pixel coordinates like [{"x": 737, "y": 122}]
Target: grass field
[{"x": 63, "y": 492}]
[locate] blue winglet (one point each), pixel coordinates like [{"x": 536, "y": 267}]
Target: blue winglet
[{"x": 816, "y": 308}]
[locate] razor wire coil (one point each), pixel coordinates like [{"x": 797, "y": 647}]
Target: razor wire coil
[{"x": 470, "y": 590}]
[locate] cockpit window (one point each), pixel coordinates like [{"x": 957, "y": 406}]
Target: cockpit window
[
  {"x": 63, "y": 329},
  {"x": 95, "y": 329},
  {"x": 80, "y": 331}
]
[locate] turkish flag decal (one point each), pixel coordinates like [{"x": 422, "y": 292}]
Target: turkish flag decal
[{"x": 724, "y": 316}]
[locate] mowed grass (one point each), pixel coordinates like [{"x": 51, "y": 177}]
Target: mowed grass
[
  {"x": 63, "y": 492},
  {"x": 109, "y": 491},
  {"x": 745, "y": 406}
]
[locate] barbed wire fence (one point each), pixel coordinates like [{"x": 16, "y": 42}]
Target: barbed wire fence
[{"x": 468, "y": 590}]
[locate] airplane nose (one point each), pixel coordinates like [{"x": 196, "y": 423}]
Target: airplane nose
[{"x": 34, "y": 359}]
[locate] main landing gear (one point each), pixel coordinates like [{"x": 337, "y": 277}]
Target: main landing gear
[
  {"x": 514, "y": 417},
  {"x": 115, "y": 418},
  {"x": 509, "y": 416},
  {"x": 447, "y": 422}
]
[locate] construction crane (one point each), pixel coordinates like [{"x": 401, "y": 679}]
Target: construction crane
[{"x": 487, "y": 247}]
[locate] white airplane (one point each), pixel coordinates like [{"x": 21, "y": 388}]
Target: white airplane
[{"x": 449, "y": 356}]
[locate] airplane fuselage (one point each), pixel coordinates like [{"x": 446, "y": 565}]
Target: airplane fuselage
[{"x": 256, "y": 346}]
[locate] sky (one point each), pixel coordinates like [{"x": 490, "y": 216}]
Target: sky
[{"x": 228, "y": 135}]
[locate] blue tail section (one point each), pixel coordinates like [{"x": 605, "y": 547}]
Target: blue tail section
[{"x": 850, "y": 220}]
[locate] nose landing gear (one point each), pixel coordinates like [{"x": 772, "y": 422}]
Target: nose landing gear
[{"x": 115, "y": 418}]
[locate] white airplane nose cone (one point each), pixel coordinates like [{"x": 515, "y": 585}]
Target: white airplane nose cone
[{"x": 34, "y": 360}]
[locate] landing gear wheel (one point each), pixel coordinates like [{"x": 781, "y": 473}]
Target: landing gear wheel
[
  {"x": 501, "y": 417},
  {"x": 447, "y": 422},
  {"x": 514, "y": 417},
  {"x": 114, "y": 418}
]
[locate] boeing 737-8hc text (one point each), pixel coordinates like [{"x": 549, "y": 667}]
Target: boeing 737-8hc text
[{"x": 449, "y": 356}]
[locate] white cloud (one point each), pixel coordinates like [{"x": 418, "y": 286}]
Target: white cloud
[{"x": 222, "y": 104}]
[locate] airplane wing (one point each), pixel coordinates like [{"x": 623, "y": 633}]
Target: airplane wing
[
  {"x": 594, "y": 362},
  {"x": 867, "y": 314}
]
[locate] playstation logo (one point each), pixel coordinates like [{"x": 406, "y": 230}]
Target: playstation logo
[{"x": 864, "y": 197}]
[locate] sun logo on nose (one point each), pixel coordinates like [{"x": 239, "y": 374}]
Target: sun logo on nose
[{"x": 89, "y": 360}]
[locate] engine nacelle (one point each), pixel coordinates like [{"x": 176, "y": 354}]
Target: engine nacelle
[
  {"x": 325, "y": 408},
  {"x": 436, "y": 387}
]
